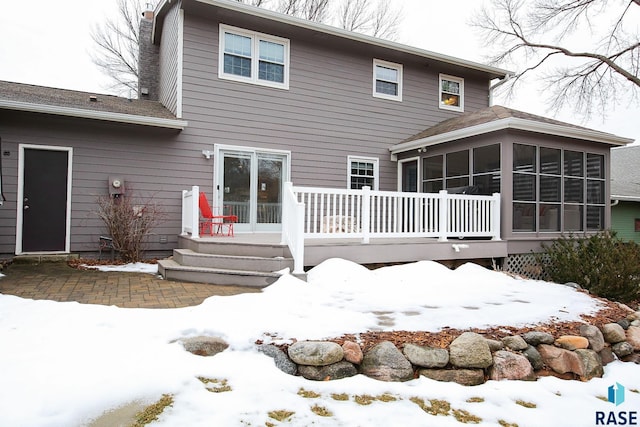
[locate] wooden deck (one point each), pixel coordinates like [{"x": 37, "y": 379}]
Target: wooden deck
[{"x": 387, "y": 250}]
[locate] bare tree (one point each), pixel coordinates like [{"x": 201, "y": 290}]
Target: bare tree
[
  {"x": 354, "y": 15},
  {"x": 116, "y": 46},
  {"x": 385, "y": 21},
  {"x": 373, "y": 17},
  {"x": 587, "y": 51}
]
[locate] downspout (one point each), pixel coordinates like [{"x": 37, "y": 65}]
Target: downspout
[
  {"x": 504, "y": 80},
  {"x": 615, "y": 202}
]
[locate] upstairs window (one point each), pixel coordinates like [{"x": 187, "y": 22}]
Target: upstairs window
[
  {"x": 251, "y": 57},
  {"x": 387, "y": 80},
  {"x": 363, "y": 171},
  {"x": 451, "y": 93}
]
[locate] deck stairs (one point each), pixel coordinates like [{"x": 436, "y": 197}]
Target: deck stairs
[{"x": 252, "y": 262}]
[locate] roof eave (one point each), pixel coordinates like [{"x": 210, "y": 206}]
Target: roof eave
[
  {"x": 513, "y": 123},
  {"x": 624, "y": 198},
  {"x": 493, "y": 72},
  {"x": 93, "y": 114}
]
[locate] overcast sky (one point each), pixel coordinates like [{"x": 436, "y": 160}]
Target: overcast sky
[{"x": 48, "y": 43}]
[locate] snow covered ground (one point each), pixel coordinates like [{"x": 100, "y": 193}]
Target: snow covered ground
[{"x": 64, "y": 364}]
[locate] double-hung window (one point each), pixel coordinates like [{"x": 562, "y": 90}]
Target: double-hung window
[
  {"x": 387, "y": 80},
  {"x": 363, "y": 171},
  {"x": 451, "y": 93},
  {"x": 248, "y": 56}
]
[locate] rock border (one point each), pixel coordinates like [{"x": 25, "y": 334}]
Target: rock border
[{"x": 470, "y": 359}]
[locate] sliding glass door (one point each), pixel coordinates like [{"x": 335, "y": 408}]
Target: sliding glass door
[{"x": 250, "y": 185}]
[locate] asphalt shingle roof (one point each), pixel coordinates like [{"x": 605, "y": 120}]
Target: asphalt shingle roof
[
  {"x": 41, "y": 95},
  {"x": 486, "y": 115}
]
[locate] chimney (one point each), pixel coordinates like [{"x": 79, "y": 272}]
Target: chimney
[{"x": 148, "y": 58}]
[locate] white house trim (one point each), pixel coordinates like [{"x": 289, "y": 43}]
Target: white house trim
[
  {"x": 93, "y": 114},
  {"x": 512, "y": 123}
]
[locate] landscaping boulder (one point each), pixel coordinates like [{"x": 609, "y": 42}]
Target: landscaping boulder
[
  {"x": 510, "y": 366},
  {"x": 515, "y": 342},
  {"x": 352, "y": 352},
  {"x": 633, "y": 337},
  {"x": 385, "y": 362},
  {"x": 622, "y": 349},
  {"x": 592, "y": 364},
  {"x": 495, "y": 345},
  {"x": 334, "y": 371},
  {"x": 470, "y": 350},
  {"x": 280, "y": 358},
  {"x": 426, "y": 357},
  {"x": 204, "y": 346},
  {"x": 315, "y": 353},
  {"x": 534, "y": 357},
  {"x": 536, "y": 338},
  {"x": 467, "y": 377},
  {"x": 607, "y": 356},
  {"x": 594, "y": 336},
  {"x": 572, "y": 342},
  {"x": 561, "y": 360},
  {"x": 613, "y": 333}
]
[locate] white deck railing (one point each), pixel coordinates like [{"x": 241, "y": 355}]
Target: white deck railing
[
  {"x": 316, "y": 213},
  {"x": 191, "y": 212},
  {"x": 365, "y": 214}
]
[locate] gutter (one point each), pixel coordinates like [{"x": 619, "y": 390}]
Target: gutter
[
  {"x": 512, "y": 123},
  {"x": 95, "y": 115}
]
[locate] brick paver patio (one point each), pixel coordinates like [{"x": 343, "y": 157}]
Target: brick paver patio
[{"x": 58, "y": 282}]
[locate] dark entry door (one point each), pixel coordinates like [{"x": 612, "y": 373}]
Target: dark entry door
[{"x": 44, "y": 207}]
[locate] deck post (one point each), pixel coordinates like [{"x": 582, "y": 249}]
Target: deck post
[
  {"x": 496, "y": 211},
  {"x": 366, "y": 214},
  {"x": 183, "y": 220},
  {"x": 443, "y": 221},
  {"x": 195, "y": 212}
]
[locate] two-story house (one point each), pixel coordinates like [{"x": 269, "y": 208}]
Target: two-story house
[{"x": 240, "y": 100}]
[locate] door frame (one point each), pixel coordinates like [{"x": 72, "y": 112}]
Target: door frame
[
  {"x": 20, "y": 197},
  {"x": 400, "y": 174},
  {"x": 218, "y": 172}
]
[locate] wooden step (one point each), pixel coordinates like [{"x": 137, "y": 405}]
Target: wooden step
[
  {"x": 234, "y": 247},
  {"x": 170, "y": 269},
  {"x": 187, "y": 257}
]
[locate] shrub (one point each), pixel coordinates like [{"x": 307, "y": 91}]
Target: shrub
[
  {"x": 602, "y": 263},
  {"x": 129, "y": 223}
]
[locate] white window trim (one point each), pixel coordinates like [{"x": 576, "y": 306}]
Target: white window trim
[
  {"x": 460, "y": 80},
  {"x": 376, "y": 169},
  {"x": 255, "y": 49},
  {"x": 397, "y": 67}
]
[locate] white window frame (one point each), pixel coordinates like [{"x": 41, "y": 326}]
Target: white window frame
[
  {"x": 376, "y": 169},
  {"x": 458, "y": 80},
  {"x": 393, "y": 66},
  {"x": 255, "y": 57}
]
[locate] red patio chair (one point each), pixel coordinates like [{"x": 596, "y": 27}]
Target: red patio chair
[{"x": 211, "y": 223}]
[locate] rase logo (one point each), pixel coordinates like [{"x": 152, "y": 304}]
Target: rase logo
[{"x": 615, "y": 395}]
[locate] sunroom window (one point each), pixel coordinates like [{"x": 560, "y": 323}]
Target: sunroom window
[
  {"x": 252, "y": 57},
  {"x": 557, "y": 190}
]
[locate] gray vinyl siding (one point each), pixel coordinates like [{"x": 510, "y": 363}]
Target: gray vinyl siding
[
  {"x": 327, "y": 114},
  {"x": 170, "y": 59},
  {"x": 154, "y": 164}
]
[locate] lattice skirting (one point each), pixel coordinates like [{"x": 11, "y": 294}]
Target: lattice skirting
[{"x": 524, "y": 265}]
